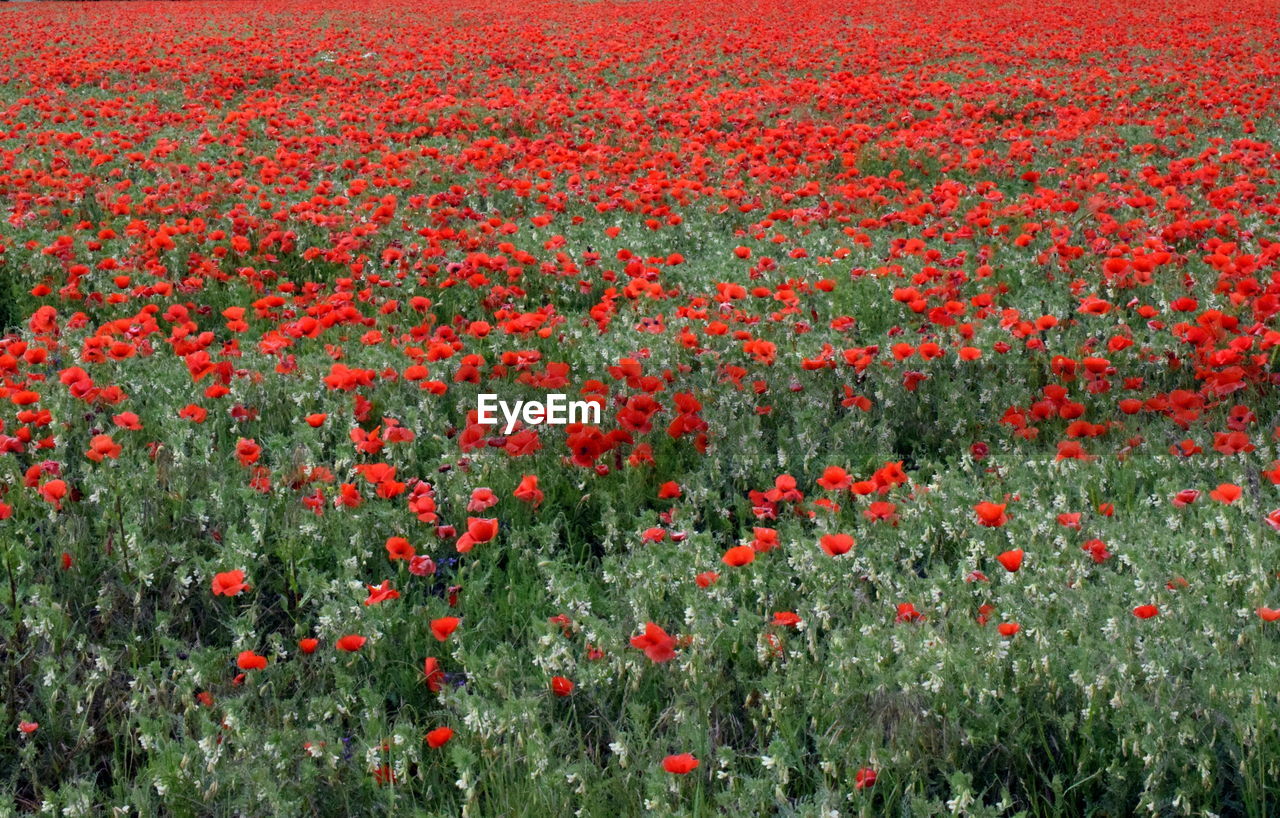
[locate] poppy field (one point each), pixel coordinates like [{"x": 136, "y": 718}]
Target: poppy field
[{"x": 935, "y": 346}]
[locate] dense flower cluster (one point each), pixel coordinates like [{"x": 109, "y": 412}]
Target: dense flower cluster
[{"x": 938, "y": 463}]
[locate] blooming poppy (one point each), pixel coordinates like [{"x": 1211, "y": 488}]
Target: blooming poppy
[
  {"x": 835, "y": 478},
  {"x": 1070, "y": 520},
  {"x": 443, "y": 627},
  {"x": 381, "y": 593},
  {"x": 984, "y": 613},
  {"x": 1186, "y": 497},
  {"x": 398, "y": 548},
  {"x": 1011, "y": 560},
  {"x": 1273, "y": 519},
  {"x": 102, "y": 447},
  {"x": 481, "y": 499},
  {"x": 561, "y": 686},
  {"x": 1226, "y": 493},
  {"x": 656, "y": 643},
  {"x": 479, "y": 530},
  {"x": 248, "y": 660},
  {"x": 991, "y": 514},
  {"x": 1145, "y": 611},
  {"x": 433, "y": 674},
  {"x": 766, "y": 539},
  {"x": 739, "y": 556},
  {"x": 128, "y": 420},
  {"x": 1097, "y": 549},
  {"x": 229, "y": 583},
  {"x": 882, "y": 512},
  {"x": 421, "y": 566},
  {"x": 53, "y": 493},
  {"x": 528, "y": 492},
  {"x": 681, "y": 764},
  {"x": 836, "y": 544},
  {"x": 308, "y": 645},
  {"x": 907, "y": 613},
  {"x": 439, "y": 737},
  {"x": 350, "y": 643},
  {"x": 786, "y": 618},
  {"x": 247, "y": 452}
]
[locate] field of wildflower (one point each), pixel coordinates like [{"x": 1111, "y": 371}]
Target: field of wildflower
[{"x": 938, "y": 470}]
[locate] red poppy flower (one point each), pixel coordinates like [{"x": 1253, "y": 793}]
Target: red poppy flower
[
  {"x": 835, "y": 478},
  {"x": 836, "y": 544},
  {"x": 1096, "y": 549},
  {"x": 1186, "y": 497},
  {"x": 1008, "y": 629},
  {"x": 248, "y": 660},
  {"x": 398, "y": 548},
  {"x": 381, "y": 593},
  {"x": 102, "y": 447},
  {"x": 561, "y": 686},
  {"x": 1070, "y": 520},
  {"x": 53, "y": 493},
  {"x": 1226, "y": 493},
  {"x": 443, "y": 627},
  {"x": 991, "y": 514},
  {"x": 128, "y": 420},
  {"x": 229, "y": 583},
  {"x": 1273, "y": 519},
  {"x": 439, "y": 737},
  {"x": 528, "y": 492},
  {"x": 682, "y": 764},
  {"x": 739, "y": 556},
  {"x": 1011, "y": 560},
  {"x": 984, "y": 613},
  {"x": 882, "y": 512},
  {"x": 247, "y": 452},
  {"x": 1145, "y": 611},
  {"x": 350, "y": 643},
  {"x": 433, "y": 674},
  {"x": 481, "y": 499},
  {"x": 766, "y": 539},
  {"x": 907, "y": 613},
  {"x": 308, "y": 645},
  {"x": 656, "y": 643},
  {"x": 865, "y": 777},
  {"x": 479, "y": 530}
]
